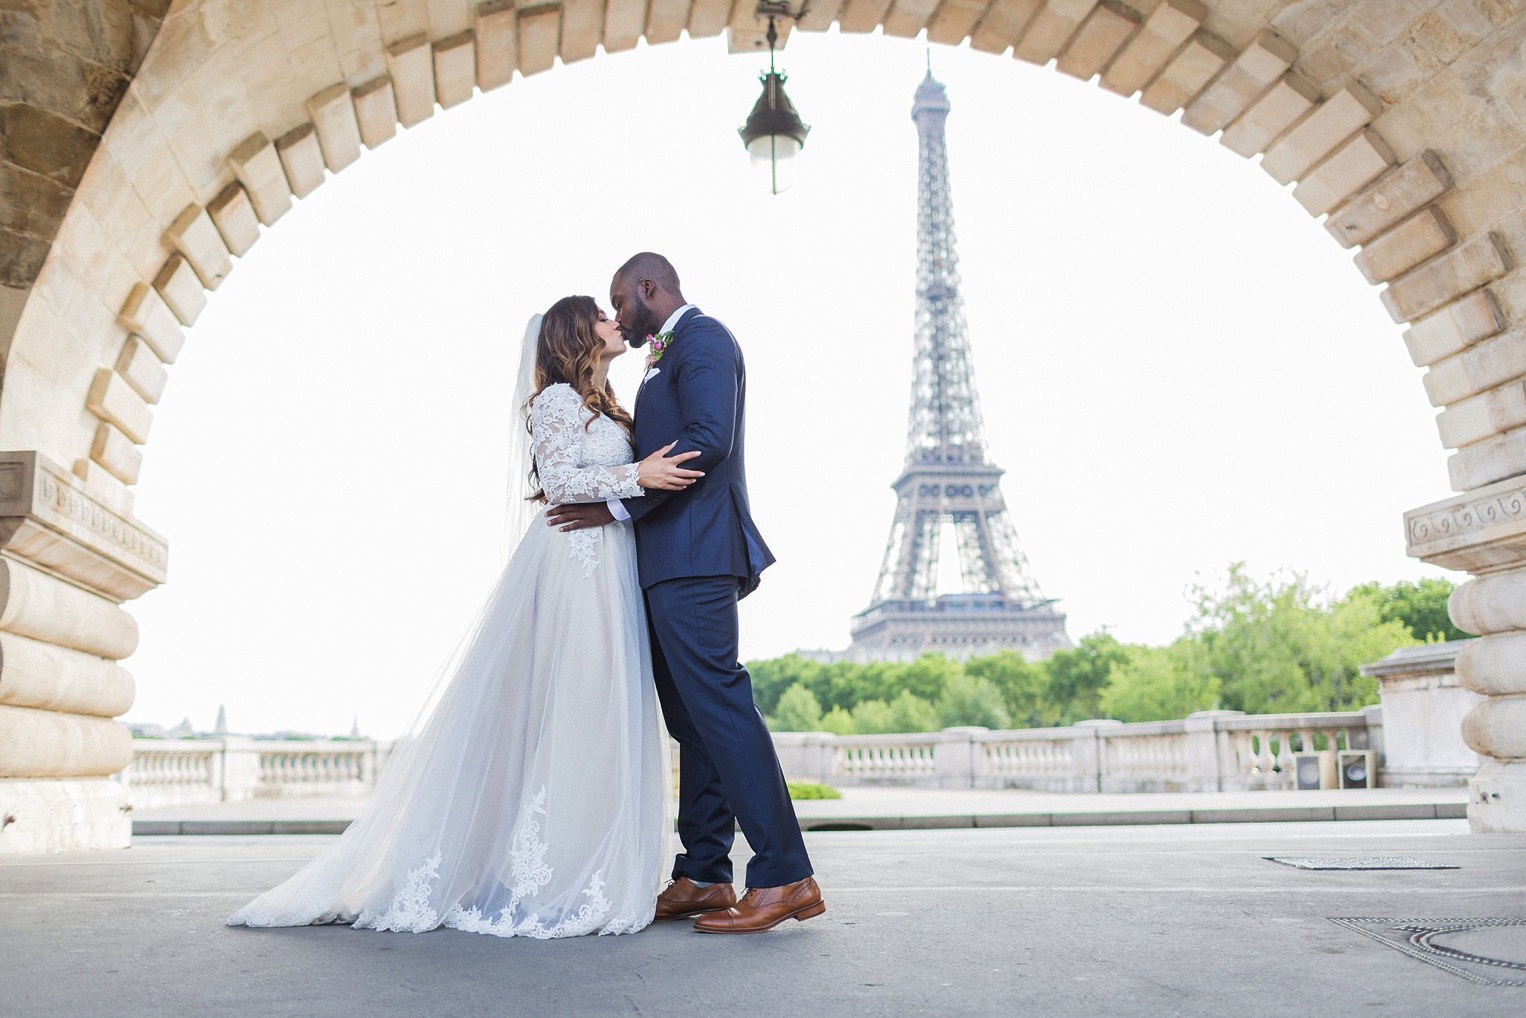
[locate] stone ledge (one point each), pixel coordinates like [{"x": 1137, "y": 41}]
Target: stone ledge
[
  {"x": 1479, "y": 531},
  {"x": 49, "y": 520}
]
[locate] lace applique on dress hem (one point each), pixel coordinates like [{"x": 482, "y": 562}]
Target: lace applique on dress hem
[{"x": 410, "y": 911}]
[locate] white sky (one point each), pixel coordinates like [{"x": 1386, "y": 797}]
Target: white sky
[{"x": 1178, "y": 367}]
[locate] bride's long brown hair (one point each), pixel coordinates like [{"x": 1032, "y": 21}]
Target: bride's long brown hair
[{"x": 567, "y": 350}]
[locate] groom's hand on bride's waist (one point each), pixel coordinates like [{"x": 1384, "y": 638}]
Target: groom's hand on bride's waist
[{"x": 579, "y": 516}]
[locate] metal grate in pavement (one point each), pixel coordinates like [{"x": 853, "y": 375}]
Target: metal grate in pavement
[
  {"x": 1357, "y": 862},
  {"x": 1484, "y": 951}
]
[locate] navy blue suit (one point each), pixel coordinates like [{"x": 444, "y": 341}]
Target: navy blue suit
[{"x": 698, "y": 552}]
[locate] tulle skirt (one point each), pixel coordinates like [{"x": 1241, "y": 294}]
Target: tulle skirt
[{"x": 533, "y": 799}]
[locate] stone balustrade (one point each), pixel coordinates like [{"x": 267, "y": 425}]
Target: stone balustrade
[
  {"x": 232, "y": 769},
  {"x": 1211, "y": 751}
]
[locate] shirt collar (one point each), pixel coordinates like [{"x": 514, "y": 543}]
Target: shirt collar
[{"x": 672, "y": 322}]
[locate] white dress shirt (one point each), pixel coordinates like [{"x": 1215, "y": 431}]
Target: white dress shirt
[{"x": 617, "y": 507}]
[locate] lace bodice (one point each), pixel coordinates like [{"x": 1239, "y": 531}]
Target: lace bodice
[{"x": 578, "y": 463}]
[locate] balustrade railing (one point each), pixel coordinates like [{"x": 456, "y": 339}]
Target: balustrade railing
[
  {"x": 1209, "y": 751},
  {"x": 232, "y": 769}
]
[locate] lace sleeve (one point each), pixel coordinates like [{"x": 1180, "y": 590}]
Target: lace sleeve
[{"x": 556, "y": 426}]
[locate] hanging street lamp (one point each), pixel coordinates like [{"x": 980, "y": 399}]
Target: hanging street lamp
[{"x": 774, "y": 133}]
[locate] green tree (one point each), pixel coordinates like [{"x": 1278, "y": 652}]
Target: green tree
[
  {"x": 1077, "y": 677},
  {"x": 911, "y": 713},
  {"x": 1420, "y": 605},
  {"x": 873, "y": 717},
  {"x": 798, "y": 711},
  {"x": 838, "y": 722},
  {"x": 1021, "y": 684},
  {"x": 926, "y": 676},
  {"x": 1276, "y": 648},
  {"x": 1161, "y": 683},
  {"x": 771, "y": 677},
  {"x": 967, "y": 700}
]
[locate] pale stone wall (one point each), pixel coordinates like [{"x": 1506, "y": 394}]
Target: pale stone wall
[{"x": 1400, "y": 122}]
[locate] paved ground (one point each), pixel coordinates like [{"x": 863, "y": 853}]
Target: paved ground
[
  {"x": 909, "y": 809},
  {"x": 1140, "y": 920}
]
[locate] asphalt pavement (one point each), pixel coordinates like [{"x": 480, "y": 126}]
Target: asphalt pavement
[{"x": 1187, "y": 919}]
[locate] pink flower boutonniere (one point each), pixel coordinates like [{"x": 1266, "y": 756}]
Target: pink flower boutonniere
[{"x": 657, "y": 344}]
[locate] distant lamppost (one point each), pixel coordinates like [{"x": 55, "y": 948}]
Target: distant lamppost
[{"x": 774, "y": 133}]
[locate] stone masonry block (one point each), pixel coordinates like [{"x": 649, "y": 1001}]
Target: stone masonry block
[
  {"x": 1351, "y": 167},
  {"x": 233, "y": 214},
  {"x": 1003, "y": 24},
  {"x": 455, "y": 69},
  {"x": 582, "y": 23},
  {"x": 181, "y": 290},
  {"x": 1484, "y": 366},
  {"x": 333, "y": 114},
  {"x": 495, "y": 26},
  {"x": 539, "y": 28},
  {"x": 1278, "y": 109},
  {"x": 1187, "y": 73},
  {"x": 708, "y": 17},
  {"x": 197, "y": 240},
  {"x": 1493, "y": 459},
  {"x": 1421, "y": 236},
  {"x": 301, "y": 159},
  {"x": 1251, "y": 73},
  {"x": 1167, "y": 27},
  {"x": 375, "y": 111},
  {"x": 904, "y": 19},
  {"x": 1052, "y": 25},
  {"x": 1457, "y": 326},
  {"x": 112, "y": 399},
  {"x": 1318, "y": 134},
  {"x": 623, "y": 21},
  {"x": 856, "y": 16},
  {"x": 116, "y": 453},
  {"x": 1394, "y": 196},
  {"x": 665, "y": 19},
  {"x": 1098, "y": 40},
  {"x": 411, "y": 68},
  {"x": 258, "y": 168},
  {"x": 147, "y": 316},
  {"x": 142, "y": 369},
  {"x": 952, "y": 22},
  {"x": 1475, "y": 262},
  {"x": 1483, "y": 416}
]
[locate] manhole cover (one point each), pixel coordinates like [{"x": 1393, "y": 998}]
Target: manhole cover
[
  {"x": 1357, "y": 862},
  {"x": 1487, "y": 951}
]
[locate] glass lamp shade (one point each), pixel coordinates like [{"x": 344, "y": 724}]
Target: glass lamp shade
[
  {"x": 774, "y": 133},
  {"x": 773, "y": 155}
]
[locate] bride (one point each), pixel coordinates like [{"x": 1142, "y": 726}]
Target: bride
[{"x": 532, "y": 801}]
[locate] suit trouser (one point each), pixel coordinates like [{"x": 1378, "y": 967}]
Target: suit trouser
[{"x": 729, "y": 774}]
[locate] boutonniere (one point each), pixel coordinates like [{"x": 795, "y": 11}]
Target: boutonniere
[{"x": 657, "y": 344}]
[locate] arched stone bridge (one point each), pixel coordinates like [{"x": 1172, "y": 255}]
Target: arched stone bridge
[{"x": 145, "y": 145}]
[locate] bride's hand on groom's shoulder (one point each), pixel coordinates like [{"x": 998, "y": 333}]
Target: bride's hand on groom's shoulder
[{"x": 661, "y": 472}]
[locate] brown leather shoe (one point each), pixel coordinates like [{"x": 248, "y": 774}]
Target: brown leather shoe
[
  {"x": 763, "y": 908},
  {"x": 683, "y": 898}
]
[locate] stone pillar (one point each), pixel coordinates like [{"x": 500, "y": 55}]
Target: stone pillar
[
  {"x": 67, "y": 562},
  {"x": 1420, "y": 721},
  {"x": 1086, "y": 754},
  {"x": 955, "y": 758},
  {"x": 1206, "y": 758},
  {"x": 1484, "y": 532}
]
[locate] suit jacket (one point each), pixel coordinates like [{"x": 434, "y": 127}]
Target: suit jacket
[{"x": 697, "y": 395}]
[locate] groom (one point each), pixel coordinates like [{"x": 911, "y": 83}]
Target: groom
[{"x": 698, "y": 553}]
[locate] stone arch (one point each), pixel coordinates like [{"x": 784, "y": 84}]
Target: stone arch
[{"x": 1398, "y": 123}]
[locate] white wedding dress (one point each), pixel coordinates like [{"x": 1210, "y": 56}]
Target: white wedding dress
[{"x": 533, "y": 801}]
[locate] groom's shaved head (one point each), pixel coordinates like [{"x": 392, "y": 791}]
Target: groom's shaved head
[{"x": 653, "y": 266}]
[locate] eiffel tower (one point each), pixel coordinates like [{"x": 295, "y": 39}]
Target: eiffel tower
[{"x": 947, "y": 481}]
